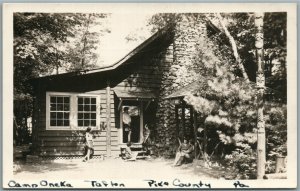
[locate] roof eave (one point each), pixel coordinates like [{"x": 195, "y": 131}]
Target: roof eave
[{"x": 132, "y": 53}]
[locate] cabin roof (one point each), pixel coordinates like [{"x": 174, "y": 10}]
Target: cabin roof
[
  {"x": 201, "y": 84},
  {"x": 165, "y": 32},
  {"x": 142, "y": 95},
  {"x": 135, "y": 51},
  {"x": 191, "y": 88}
]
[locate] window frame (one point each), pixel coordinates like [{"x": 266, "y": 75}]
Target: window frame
[
  {"x": 97, "y": 108},
  {"x": 73, "y": 121},
  {"x": 60, "y": 111}
]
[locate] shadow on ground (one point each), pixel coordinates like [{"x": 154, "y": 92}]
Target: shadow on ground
[
  {"x": 113, "y": 168},
  {"x": 43, "y": 167}
]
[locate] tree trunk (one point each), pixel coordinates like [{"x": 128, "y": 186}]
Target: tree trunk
[
  {"x": 84, "y": 39},
  {"x": 260, "y": 82},
  {"x": 234, "y": 47}
]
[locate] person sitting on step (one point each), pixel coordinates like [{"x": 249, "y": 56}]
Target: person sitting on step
[
  {"x": 128, "y": 155},
  {"x": 184, "y": 152}
]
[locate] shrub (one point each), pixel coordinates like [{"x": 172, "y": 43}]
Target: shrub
[{"x": 243, "y": 161}]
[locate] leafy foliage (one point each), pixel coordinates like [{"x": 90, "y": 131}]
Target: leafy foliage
[
  {"x": 43, "y": 44},
  {"x": 81, "y": 52},
  {"x": 226, "y": 102},
  {"x": 243, "y": 161}
]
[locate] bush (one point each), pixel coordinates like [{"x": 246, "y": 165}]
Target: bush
[
  {"x": 243, "y": 161},
  {"x": 276, "y": 134}
]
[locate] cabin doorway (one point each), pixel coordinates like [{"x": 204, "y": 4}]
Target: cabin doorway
[{"x": 131, "y": 121}]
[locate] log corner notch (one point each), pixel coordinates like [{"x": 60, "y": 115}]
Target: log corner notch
[{"x": 108, "y": 120}]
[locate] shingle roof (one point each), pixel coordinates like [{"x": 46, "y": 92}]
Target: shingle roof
[
  {"x": 201, "y": 85},
  {"x": 164, "y": 32}
]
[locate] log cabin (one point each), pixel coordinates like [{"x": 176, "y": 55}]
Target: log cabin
[{"x": 66, "y": 104}]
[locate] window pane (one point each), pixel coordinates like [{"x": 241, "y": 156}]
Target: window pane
[
  {"x": 53, "y": 122},
  {"x": 66, "y": 100},
  {"x": 53, "y": 115},
  {"x": 93, "y": 122},
  {"x": 66, "y": 115},
  {"x": 87, "y": 100},
  {"x": 66, "y": 107},
  {"x": 60, "y": 107},
  {"x": 59, "y": 99},
  {"x": 86, "y": 107},
  {"x": 66, "y": 123},
  {"x": 59, "y": 123},
  {"x": 93, "y": 115},
  {"x": 86, "y": 122},
  {"x": 80, "y": 115},
  {"x": 187, "y": 112},
  {"x": 52, "y": 99},
  {"x": 80, "y": 107},
  {"x": 93, "y": 107},
  {"x": 86, "y": 116},
  {"x": 52, "y": 107},
  {"x": 80, "y": 122},
  {"x": 59, "y": 115},
  {"x": 80, "y": 100},
  {"x": 93, "y": 100}
]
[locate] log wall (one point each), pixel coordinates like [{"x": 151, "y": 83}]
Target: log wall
[
  {"x": 71, "y": 142},
  {"x": 144, "y": 73}
]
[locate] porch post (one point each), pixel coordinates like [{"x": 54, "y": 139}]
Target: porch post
[
  {"x": 121, "y": 124},
  {"x": 177, "y": 121},
  {"x": 195, "y": 131},
  {"x": 141, "y": 121},
  {"x": 108, "y": 130},
  {"x": 183, "y": 116}
]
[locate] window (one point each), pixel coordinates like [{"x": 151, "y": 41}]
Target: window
[
  {"x": 72, "y": 111},
  {"x": 87, "y": 111},
  {"x": 59, "y": 111},
  {"x": 184, "y": 120}
]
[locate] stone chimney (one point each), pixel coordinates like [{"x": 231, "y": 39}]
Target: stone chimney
[{"x": 189, "y": 33}]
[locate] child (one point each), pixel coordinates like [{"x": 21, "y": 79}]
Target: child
[
  {"x": 128, "y": 154},
  {"x": 88, "y": 144}
]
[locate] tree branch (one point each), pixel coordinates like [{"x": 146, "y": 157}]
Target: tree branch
[{"x": 233, "y": 46}]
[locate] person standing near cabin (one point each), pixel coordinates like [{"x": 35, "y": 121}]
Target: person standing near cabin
[
  {"x": 146, "y": 134},
  {"x": 127, "y": 123},
  {"x": 88, "y": 144}
]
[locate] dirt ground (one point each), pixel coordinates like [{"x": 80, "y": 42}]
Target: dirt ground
[{"x": 111, "y": 168}]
